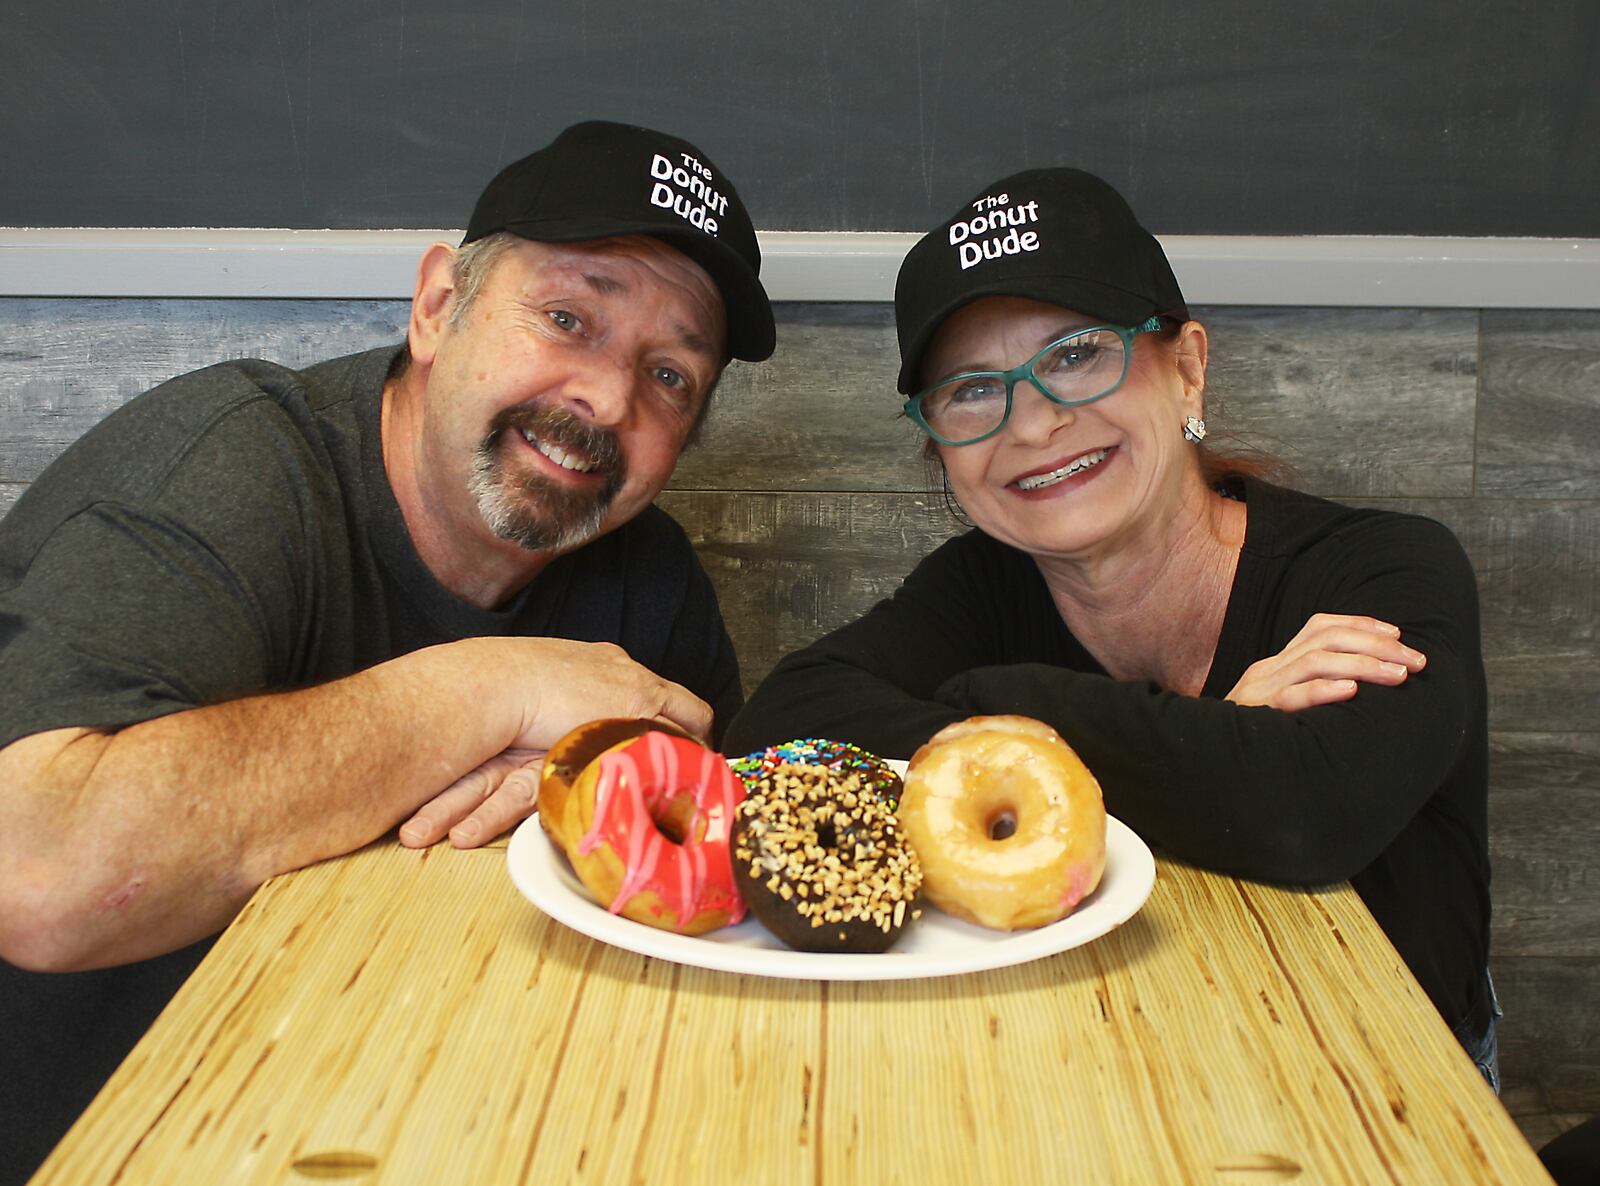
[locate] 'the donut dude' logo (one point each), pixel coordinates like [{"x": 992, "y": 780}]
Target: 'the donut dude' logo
[
  {"x": 686, "y": 190},
  {"x": 995, "y": 230}
]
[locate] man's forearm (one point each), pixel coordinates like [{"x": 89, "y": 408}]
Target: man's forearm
[{"x": 119, "y": 846}]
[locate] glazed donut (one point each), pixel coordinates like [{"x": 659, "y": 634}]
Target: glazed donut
[
  {"x": 821, "y": 861},
  {"x": 646, "y": 824},
  {"x": 1007, "y": 820}
]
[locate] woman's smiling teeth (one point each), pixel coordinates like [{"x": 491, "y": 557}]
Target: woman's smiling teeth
[
  {"x": 559, "y": 455},
  {"x": 1076, "y": 466}
]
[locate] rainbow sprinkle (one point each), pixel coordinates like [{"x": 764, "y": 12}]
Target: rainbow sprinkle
[{"x": 815, "y": 751}]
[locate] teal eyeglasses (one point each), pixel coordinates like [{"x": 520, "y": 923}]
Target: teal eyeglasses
[{"x": 1086, "y": 365}]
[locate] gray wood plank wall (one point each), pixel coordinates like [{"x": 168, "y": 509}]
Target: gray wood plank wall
[{"x": 808, "y": 500}]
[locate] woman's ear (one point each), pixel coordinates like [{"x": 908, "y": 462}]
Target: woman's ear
[
  {"x": 1191, "y": 352},
  {"x": 431, "y": 302}
]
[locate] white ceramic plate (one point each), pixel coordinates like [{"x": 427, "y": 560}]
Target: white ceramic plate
[{"x": 934, "y": 945}]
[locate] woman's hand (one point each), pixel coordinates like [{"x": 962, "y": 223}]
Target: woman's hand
[{"x": 1324, "y": 663}]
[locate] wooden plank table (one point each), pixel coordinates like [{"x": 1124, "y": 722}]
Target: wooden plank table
[{"x": 405, "y": 1017}]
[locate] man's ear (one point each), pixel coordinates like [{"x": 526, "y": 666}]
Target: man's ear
[{"x": 431, "y": 302}]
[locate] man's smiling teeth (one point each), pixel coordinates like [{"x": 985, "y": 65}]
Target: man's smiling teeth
[
  {"x": 559, "y": 455},
  {"x": 1076, "y": 466}
]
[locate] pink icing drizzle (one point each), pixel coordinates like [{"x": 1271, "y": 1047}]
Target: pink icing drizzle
[{"x": 686, "y": 878}]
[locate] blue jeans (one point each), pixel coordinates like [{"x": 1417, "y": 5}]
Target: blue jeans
[{"x": 1484, "y": 1049}]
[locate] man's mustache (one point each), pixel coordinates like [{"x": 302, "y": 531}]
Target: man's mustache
[{"x": 562, "y": 428}]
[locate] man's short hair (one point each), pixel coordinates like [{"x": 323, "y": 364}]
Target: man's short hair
[{"x": 471, "y": 267}]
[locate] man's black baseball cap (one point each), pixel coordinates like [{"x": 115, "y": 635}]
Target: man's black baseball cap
[
  {"x": 1057, "y": 235},
  {"x": 598, "y": 180}
]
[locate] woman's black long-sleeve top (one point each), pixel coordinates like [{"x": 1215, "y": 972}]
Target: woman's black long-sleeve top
[{"x": 1388, "y": 789}]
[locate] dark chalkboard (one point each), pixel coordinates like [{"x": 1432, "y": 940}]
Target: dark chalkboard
[{"x": 1430, "y": 117}]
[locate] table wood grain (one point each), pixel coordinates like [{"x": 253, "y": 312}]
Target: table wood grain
[{"x": 405, "y": 1017}]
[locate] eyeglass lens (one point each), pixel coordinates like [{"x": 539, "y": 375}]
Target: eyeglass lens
[{"x": 1076, "y": 369}]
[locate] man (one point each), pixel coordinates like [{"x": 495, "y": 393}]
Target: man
[{"x": 258, "y": 617}]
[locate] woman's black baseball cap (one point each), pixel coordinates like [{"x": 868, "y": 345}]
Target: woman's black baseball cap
[
  {"x": 1057, "y": 235},
  {"x": 598, "y": 180}
]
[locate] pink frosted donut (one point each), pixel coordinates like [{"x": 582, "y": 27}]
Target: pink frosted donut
[{"x": 647, "y": 829}]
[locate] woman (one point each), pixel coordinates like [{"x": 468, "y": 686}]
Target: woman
[{"x": 1265, "y": 683}]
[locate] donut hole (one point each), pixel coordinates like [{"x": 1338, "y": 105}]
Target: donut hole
[
  {"x": 827, "y": 834},
  {"x": 675, "y": 817},
  {"x": 1001, "y": 824}
]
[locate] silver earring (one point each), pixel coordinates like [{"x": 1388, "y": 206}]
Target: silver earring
[{"x": 1194, "y": 430}]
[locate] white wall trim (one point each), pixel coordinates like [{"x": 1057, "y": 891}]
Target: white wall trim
[{"x": 811, "y": 266}]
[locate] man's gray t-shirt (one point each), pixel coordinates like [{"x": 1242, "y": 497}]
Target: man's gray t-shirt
[{"x": 233, "y": 532}]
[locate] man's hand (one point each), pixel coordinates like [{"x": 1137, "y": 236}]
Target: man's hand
[
  {"x": 1326, "y": 661},
  {"x": 481, "y": 804},
  {"x": 566, "y": 684},
  {"x": 574, "y": 683}
]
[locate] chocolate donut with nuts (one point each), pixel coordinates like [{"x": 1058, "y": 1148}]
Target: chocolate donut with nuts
[{"x": 821, "y": 861}]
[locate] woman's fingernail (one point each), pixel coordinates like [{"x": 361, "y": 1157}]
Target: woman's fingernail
[
  {"x": 467, "y": 832},
  {"x": 414, "y": 834},
  {"x": 1394, "y": 669}
]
